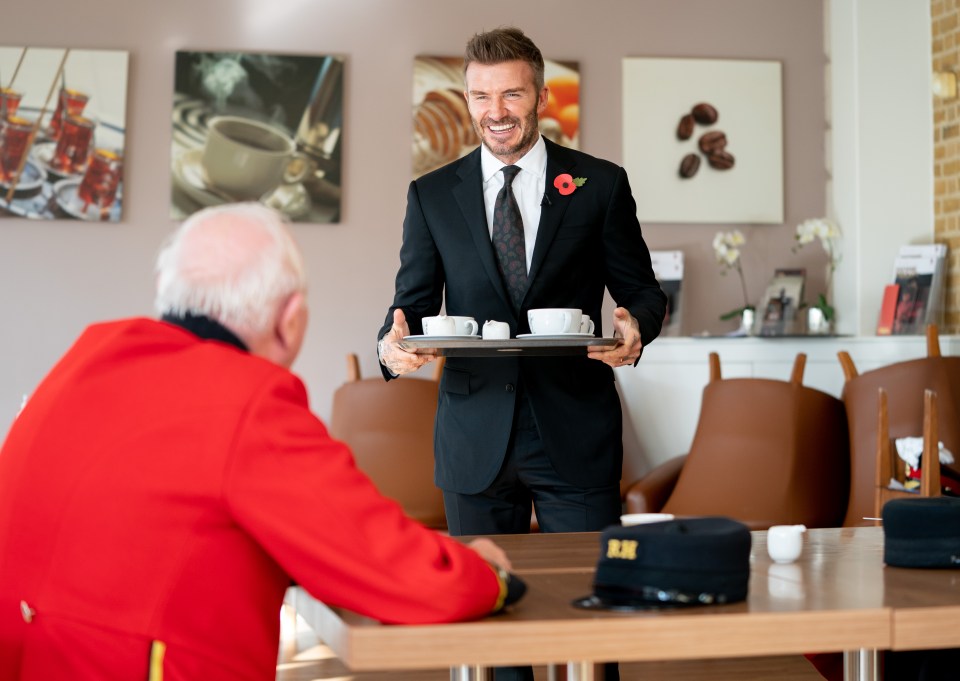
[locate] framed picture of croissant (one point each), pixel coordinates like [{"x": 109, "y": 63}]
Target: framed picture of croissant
[
  {"x": 703, "y": 139},
  {"x": 442, "y": 131}
]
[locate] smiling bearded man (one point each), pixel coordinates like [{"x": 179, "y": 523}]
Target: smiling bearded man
[
  {"x": 491, "y": 236},
  {"x": 505, "y": 101}
]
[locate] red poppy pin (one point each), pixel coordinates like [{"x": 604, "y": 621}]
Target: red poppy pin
[{"x": 566, "y": 183}]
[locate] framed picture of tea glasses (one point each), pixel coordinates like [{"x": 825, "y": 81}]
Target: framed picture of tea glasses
[{"x": 62, "y": 133}]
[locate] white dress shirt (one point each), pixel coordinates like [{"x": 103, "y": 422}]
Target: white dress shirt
[{"x": 528, "y": 189}]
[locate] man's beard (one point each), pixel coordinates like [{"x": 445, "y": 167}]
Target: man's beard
[{"x": 530, "y": 133}]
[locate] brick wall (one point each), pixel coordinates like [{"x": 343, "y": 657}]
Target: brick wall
[{"x": 945, "y": 26}]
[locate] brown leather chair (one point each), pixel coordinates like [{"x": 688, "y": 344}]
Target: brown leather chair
[
  {"x": 905, "y": 384},
  {"x": 393, "y": 446},
  {"x": 765, "y": 452}
]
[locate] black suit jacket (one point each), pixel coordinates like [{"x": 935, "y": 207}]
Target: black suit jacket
[{"x": 587, "y": 241}]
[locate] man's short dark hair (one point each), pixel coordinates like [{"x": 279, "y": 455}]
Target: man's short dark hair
[{"x": 504, "y": 44}]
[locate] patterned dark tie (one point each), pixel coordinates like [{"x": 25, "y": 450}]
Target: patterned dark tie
[{"x": 508, "y": 239}]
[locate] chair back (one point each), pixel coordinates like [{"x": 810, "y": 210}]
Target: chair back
[
  {"x": 905, "y": 384},
  {"x": 890, "y": 468},
  {"x": 766, "y": 452},
  {"x": 389, "y": 428}
]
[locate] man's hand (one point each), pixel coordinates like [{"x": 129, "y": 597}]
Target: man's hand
[
  {"x": 515, "y": 587},
  {"x": 395, "y": 358},
  {"x": 625, "y": 326},
  {"x": 490, "y": 552}
]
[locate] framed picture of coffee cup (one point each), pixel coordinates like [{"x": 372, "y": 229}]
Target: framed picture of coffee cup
[
  {"x": 442, "y": 129},
  {"x": 703, "y": 139},
  {"x": 62, "y": 133},
  {"x": 258, "y": 127}
]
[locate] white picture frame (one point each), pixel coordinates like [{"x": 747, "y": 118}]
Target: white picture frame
[{"x": 747, "y": 94}]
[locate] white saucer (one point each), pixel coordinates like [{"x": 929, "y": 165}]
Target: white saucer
[
  {"x": 188, "y": 176},
  {"x": 422, "y": 337},
  {"x": 628, "y": 519},
  {"x": 554, "y": 336},
  {"x": 65, "y": 192},
  {"x": 31, "y": 177}
]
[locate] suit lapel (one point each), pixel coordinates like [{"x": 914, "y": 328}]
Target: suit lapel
[
  {"x": 552, "y": 209},
  {"x": 469, "y": 196}
]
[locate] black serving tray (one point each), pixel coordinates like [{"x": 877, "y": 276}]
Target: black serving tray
[{"x": 504, "y": 348}]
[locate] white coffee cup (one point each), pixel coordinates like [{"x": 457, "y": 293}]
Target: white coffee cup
[
  {"x": 496, "y": 331},
  {"x": 247, "y": 158},
  {"x": 554, "y": 320},
  {"x": 586, "y": 324},
  {"x": 628, "y": 519},
  {"x": 441, "y": 325},
  {"x": 785, "y": 542},
  {"x": 466, "y": 326}
]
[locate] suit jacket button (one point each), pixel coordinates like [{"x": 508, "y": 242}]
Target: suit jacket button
[
  {"x": 509, "y": 388},
  {"x": 26, "y": 612}
]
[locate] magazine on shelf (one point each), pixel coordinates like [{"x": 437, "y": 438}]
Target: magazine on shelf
[
  {"x": 918, "y": 272},
  {"x": 888, "y": 309},
  {"x": 668, "y": 269},
  {"x": 781, "y": 301}
]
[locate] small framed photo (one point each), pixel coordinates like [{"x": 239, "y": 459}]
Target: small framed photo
[
  {"x": 778, "y": 311},
  {"x": 668, "y": 268}
]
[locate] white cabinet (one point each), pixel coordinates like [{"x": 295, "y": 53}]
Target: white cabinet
[{"x": 661, "y": 395}]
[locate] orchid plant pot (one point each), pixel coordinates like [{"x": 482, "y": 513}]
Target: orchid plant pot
[{"x": 817, "y": 322}]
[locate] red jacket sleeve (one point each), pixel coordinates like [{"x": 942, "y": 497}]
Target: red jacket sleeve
[{"x": 299, "y": 494}]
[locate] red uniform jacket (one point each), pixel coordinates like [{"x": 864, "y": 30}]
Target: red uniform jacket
[{"x": 162, "y": 488}]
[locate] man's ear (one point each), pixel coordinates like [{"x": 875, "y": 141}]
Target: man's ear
[
  {"x": 542, "y": 100},
  {"x": 291, "y": 326}
]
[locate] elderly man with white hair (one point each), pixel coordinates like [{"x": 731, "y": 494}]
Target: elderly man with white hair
[{"x": 167, "y": 480}]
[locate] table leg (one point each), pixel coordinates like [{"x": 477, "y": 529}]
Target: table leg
[
  {"x": 861, "y": 665},
  {"x": 468, "y": 672},
  {"x": 584, "y": 671}
]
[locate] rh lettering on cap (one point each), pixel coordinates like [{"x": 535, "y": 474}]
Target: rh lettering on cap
[{"x": 625, "y": 549}]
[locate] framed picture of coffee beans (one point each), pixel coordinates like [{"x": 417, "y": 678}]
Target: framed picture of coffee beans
[
  {"x": 62, "y": 133},
  {"x": 703, "y": 139}
]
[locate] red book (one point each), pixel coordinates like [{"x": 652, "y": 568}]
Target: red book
[{"x": 888, "y": 309}]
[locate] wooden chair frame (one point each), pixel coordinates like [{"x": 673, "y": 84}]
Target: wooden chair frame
[{"x": 888, "y": 463}]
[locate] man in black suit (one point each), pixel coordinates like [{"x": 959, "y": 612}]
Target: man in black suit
[{"x": 514, "y": 431}]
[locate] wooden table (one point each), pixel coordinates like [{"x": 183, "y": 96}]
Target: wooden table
[{"x": 837, "y": 597}]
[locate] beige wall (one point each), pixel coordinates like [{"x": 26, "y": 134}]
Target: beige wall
[{"x": 56, "y": 277}]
